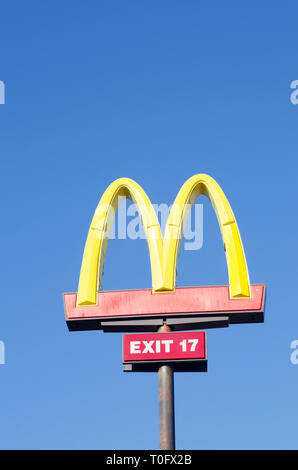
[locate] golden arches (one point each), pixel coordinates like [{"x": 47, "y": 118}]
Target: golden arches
[{"x": 163, "y": 252}]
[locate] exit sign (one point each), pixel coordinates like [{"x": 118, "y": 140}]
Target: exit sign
[{"x": 183, "y": 351}]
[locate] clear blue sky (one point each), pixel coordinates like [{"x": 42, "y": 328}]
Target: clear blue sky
[{"x": 156, "y": 91}]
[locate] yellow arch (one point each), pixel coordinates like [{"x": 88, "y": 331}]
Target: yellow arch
[
  {"x": 163, "y": 253},
  {"x": 97, "y": 240},
  {"x": 190, "y": 191}
]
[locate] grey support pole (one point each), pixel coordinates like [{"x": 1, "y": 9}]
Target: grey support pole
[{"x": 166, "y": 403}]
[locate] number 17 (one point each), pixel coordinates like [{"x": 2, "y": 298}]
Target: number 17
[{"x": 193, "y": 342}]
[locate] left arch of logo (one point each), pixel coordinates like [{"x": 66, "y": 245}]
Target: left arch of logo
[{"x": 163, "y": 251}]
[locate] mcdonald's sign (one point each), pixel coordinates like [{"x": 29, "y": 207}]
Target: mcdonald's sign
[{"x": 183, "y": 307}]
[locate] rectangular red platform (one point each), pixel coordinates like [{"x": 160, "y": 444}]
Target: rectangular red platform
[{"x": 141, "y": 310}]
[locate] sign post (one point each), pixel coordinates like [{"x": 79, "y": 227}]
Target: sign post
[
  {"x": 166, "y": 403},
  {"x": 166, "y": 310}
]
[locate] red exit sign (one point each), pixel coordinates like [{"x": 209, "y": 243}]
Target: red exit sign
[{"x": 164, "y": 347}]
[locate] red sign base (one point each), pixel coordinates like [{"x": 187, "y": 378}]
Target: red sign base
[{"x": 186, "y": 308}]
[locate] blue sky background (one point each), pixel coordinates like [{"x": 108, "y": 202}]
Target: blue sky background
[{"x": 156, "y": 91}]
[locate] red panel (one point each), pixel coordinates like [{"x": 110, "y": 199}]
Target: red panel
[
  {"x": 188, "y": 300},
  {"x": 164, "y": 346}
]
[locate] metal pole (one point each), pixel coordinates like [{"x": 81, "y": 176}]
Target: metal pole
[{"x": 166, "y": 403}]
